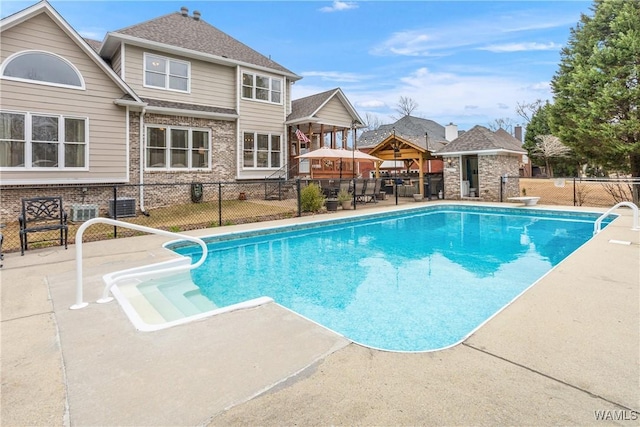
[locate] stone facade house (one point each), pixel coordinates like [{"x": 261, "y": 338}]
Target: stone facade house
[{"x": 478, "y": 161}]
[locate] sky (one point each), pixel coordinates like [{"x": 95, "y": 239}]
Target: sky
[{"x": 462, "y": 62}]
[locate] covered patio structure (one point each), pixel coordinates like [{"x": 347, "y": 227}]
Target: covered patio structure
[
  {"x": 397, "y": 149},
  {"x": 322, "y": 120}
]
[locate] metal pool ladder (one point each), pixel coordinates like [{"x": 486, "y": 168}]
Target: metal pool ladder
[
  {"x": 597, "y": 226},
  {"x": 105, "y": 297}
]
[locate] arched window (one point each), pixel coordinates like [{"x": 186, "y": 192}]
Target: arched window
[{"x": 42, "y": 67}]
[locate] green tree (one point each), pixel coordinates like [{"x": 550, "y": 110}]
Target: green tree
[
  {"x": 596, "y": 107},
  {"x": 541, "y": 151},
  {"x": 538, "y": 125}
]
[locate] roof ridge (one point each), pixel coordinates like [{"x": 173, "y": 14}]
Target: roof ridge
[{"x": 143, "y": 22}]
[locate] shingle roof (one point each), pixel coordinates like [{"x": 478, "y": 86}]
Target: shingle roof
[
  {"x": 509, "y": 140},
  {"x": 305, "y": 107},
  {"x": 186, "y": 32},
  {"x": 192, "y": 107},
  {"x": 95, "y": 44},
  {"x": 479, "y": 138},
  {"x": 410, "y": 128}
]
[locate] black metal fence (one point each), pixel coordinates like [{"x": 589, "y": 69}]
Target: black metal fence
[
  {"x": 595, "y": 192},
  {"x": 171, "y": 206},
  {"x": 187, "y": 206}
]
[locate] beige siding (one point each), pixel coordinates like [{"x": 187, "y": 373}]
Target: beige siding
[
  {"x": 287, "y": 95},
  {"x": 335, "y": 113},
  {"x": 261, "y": 116},
  {"x": 116, "y": 62},
  {"x": 107, "y": 122},
  {"x": 211, "y": 84}
]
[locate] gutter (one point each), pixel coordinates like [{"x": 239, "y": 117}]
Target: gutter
[{"x": 141, "y": 162}]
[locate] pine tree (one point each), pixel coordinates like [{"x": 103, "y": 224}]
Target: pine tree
[{"x": 596, "y": 108}]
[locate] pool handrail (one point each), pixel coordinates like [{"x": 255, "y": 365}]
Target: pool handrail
[
  {"x": 597, "y": 226},
  {"x": 105, "y": 297}
]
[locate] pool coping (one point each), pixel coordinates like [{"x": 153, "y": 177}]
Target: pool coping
[{"x": 50, "y": 355}]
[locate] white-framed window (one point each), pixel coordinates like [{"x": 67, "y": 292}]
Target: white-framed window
[
  {"x": 261, "y": 150},
  {"x": 165, "y": 73},
  {"x": 177, "y": 148},
  {"x": 43, "y": 141},
  {"x": 40, "y": 67},
  {"x": 261, "y": 88}
]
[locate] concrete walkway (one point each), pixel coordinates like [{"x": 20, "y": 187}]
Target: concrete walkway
[{"x": 567, "y": 348}]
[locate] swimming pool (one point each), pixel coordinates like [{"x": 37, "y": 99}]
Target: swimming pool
[{"x": 415, "y": 280}]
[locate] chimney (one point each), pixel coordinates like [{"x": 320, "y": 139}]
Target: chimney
[
  {"x": 450, "y": 132},
  {"x": 196, "y": 15},
  {"x": 184, "y": 11},
  {"x": 517, "y": 131}
]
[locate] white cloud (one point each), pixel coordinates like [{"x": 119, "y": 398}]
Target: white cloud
[
  {"x": 466, "y": 100},
  {"x": 335, "y": 76},
  {"x": 339, "y": 6},
  {"x": 94, "y": 34},
  {"x": 406, "y": 43},
  {"x": 442, "y": 38},
  {"x": 541, "y": 86},
  {"x": 372, "y": 104},
  {"x": 520, "y": 47}
]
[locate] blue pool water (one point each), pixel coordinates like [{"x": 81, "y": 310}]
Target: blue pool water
[{"x": 415, "y": 281}]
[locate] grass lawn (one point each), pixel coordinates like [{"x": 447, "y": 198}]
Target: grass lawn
[{"x": 174, "y": 218}]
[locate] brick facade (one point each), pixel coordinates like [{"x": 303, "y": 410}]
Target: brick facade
[{"x": 223, "y": 168}]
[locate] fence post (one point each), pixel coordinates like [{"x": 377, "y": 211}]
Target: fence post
[
  {"x": 115, "y": 210},
  {"x": 574, "y": 191},
  {"x": 299, "y": 198},
  {"x": 220, "y": 204},
  {"x": 355, "y": 196},
  {"x": 429, "y": 185},
  {"x": 501, "y": 188}
]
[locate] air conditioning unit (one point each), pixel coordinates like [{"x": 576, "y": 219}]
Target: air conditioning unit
[
  {"x": 123, "y": 208},
  {"x": 83, "y": 212}
]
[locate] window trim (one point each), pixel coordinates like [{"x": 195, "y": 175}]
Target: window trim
[
  {"x": 254, "y": 75},
  {"x": 168, "y": 148},
  {"x": 28, "y": 143},
  {"x": 255, "y": 151},
  {"x": 11, "y": 57},
  {"x": 166, "y": 73}
]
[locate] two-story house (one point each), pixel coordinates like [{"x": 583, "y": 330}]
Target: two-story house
[{"x": 172, "y": 99}]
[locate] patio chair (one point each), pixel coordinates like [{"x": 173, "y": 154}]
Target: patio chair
[
  {"x": 371, "y": 191},
  {"x": 361, "y": 186}
]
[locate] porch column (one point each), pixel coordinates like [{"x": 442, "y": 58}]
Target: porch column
[{"x": 420, "y": 168}]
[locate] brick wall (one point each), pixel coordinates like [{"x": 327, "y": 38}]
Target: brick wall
[
  {"x": 452, "y": 178},
  {"x": 490, "y": 171}
]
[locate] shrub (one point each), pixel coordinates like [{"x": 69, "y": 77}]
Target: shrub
[
  {"x": 311, "y": 198},
  {"x": 344, "y": 196}
]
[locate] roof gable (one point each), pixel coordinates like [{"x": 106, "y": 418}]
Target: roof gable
[
  {"x": 306, "y": 109},
  {"x": 44, "y": 7},
  {"x": 479, "y": 139},
  {"x": 177, "y": 30}
]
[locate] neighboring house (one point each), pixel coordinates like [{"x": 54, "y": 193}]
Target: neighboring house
[
  {"x": 424, "y": 133},
  {"x": 477, "y": 161},
  {"x": 172, "y": 99}
]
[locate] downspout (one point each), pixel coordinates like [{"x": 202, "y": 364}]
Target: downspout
[{"x": 141, "y": 162}]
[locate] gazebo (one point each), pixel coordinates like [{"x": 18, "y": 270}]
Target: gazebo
[{"x": 395, "y": 148}]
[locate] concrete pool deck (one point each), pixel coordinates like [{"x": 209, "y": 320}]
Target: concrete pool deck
[{"x": 568, "y": 347}]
